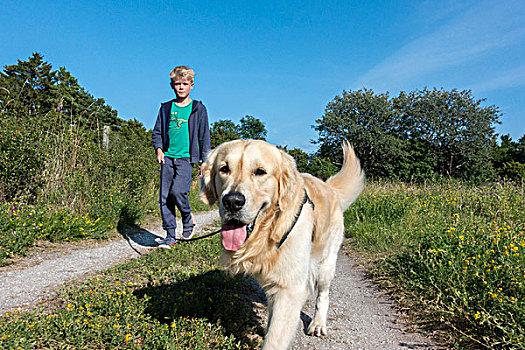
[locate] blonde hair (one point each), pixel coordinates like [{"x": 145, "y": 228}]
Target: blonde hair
[{"x": 182, "y": 73}]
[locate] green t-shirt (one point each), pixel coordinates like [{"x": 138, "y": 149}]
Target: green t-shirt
[{"x": 178, "y": 131}]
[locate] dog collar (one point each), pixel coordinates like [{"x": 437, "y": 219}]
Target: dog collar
[{"x": 306, "y": 199}]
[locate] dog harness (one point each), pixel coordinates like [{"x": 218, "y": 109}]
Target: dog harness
[{"x": 306, "y": 199}]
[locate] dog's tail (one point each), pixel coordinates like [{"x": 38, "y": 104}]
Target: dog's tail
[{"x": 349, "y": 181}]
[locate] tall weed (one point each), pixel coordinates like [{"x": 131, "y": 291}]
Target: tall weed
[{"x": 58, "y": 182}]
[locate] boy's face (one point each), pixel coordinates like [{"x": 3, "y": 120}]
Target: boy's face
[{"x": 182, "y": 88}]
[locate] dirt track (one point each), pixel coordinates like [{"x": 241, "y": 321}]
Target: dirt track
[{"x": 360, "y": 317}]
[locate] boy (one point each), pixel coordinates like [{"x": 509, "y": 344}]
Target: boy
[{"x": 181, "y": 138}]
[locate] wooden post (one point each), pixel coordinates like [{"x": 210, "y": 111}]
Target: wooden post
[{"x": 105, "y": 136}]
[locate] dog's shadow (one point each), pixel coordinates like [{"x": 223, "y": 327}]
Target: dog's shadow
[{"x": 214, "y": 296}]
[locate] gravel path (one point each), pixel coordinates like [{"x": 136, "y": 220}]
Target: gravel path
[{"x": 360, "y": 317}]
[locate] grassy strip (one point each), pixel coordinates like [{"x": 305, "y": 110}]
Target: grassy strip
[
  {"x": 174, "y": 299},
  {"x": 456, "y": 251},
  {"x": 22, "y": 225}
]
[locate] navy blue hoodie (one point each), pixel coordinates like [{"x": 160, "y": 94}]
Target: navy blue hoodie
[{"x": 198, "y": 126}]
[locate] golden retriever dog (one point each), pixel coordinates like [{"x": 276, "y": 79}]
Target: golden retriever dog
[{"x": 281, "y": 227}]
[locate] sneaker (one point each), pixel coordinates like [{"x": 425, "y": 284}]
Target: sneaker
[
  {"x": 187, "y": 231},
  {"x": 166, "y": 242}
]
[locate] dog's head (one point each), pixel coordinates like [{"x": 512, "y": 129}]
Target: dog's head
[{"x": 247, "y": 178}]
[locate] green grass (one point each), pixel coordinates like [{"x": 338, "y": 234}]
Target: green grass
[
  {"x": 175, "y": 299},
  {"x": 454, "y": 252}
]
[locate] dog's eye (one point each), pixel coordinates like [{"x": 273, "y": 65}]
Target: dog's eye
[
  {"x": 224, "y": 169},
  {"x": 260, "y": 172}
]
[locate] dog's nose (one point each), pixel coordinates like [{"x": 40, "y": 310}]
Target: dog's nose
[{"x": 233, "y": 201}]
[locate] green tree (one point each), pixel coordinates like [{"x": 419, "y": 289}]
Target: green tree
[
  {"x": 313, "y": 164},
  {"x": 27, "y": 97},
  {"x": 416, "y": 135},
  {"x": 322, "y": 167},
  {"x": 368, "y": 122},
  {"x": 513, "y": 171},
  {"x": 458, "y": 132},
  {"x": 509, "y": 158},
  {"x": 28, "y": 88},
  {"x": 76, "y": 103},
  {"x": 223, "y": 131},
  {"x": 301, "y": 159},
  {"x": 520, "y": 150},
  {"x": 252, "y": 128},
  {"x": 46, "y": 121},
  {"x": 505, "y": 151}
]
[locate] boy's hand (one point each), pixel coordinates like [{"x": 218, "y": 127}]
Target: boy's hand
[
  {"x": 160, "y": 156},
  {"x": 201, "y": 169}
]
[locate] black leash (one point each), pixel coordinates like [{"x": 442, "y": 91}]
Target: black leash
[{"x": 197, "y": 238}]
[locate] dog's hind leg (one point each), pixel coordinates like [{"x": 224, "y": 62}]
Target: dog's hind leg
[
  {"x": 285, "y": 309},
  {"x": 324, "y": 277}
]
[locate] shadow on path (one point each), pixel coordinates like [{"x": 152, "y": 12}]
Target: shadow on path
[
  {"x": 214, "y": 296},
  {"x": 140, "y": 236}
]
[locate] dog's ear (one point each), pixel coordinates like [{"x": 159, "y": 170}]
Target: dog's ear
[
  {"x": 287, "y": 180},
  {"x": 208, "y": 193}
]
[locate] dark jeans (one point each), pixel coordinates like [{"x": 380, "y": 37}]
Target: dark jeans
[{"x": 175, "y": 182}]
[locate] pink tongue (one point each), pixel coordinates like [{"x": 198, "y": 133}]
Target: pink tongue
[{"x": 233, "y": 237}]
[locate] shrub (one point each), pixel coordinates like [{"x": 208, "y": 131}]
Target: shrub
[{"x": 514, "y": 171}]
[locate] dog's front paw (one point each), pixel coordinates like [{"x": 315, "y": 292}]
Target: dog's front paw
[{"x": 317, "y": 329}]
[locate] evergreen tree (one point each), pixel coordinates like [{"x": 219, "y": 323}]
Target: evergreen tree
[
  {"x": 76, "y": 101},
  {"x": 28, "y": 88},
  {"x": 509, "y": 158},
  {"x": 47, "y": 123},
  {"x": 520, "y": 150}
]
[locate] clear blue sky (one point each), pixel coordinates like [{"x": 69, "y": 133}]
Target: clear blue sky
[{"x": 280, "y": 61}]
